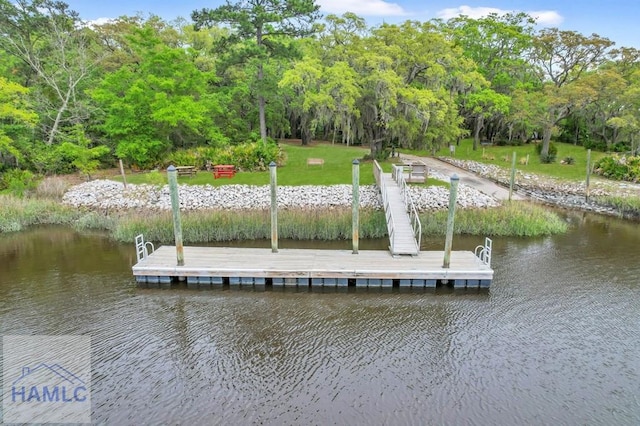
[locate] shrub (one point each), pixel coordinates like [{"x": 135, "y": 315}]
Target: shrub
[
  {"x": 246, "y": 156},
  {"x": 547, "y": 158},
  {"x": 568, "y": 160},
  {"x": 618, "y": 168},
  {"x": 18, "y": 181},
  {"x": 550, "y": 157}
]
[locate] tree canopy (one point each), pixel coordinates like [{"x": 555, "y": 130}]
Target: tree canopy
[{"x": 140, "y": 88}]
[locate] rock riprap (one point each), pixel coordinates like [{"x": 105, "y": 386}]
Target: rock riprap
[{"x": 111, "y": 195}]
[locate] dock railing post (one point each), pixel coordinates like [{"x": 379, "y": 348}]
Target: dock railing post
[
  {"x": 172, "y": 174},
  {"x": 355, "y": 205},
  {"x": 453, "y": 195},
  {"x": 586, "y": 190},
  {"x": 274, "y": 206}
]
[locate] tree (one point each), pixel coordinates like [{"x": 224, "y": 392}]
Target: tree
[
  {"x": 50, "y": 40},
  {"x": 563, "y": 57},
  {"x": 160, "y": 102},
  {"x": 265, "y": 22},
  {"x": 16, "y": 119}
]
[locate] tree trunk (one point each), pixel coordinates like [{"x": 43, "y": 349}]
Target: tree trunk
[
  {"x": 546, "y": 139},
  {"x": 305, "y": 132},
  {"x": 56, "y": 123},
  {"x": 479, "y": 123}
]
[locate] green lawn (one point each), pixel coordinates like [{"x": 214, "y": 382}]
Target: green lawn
[
  {"x": 501, "y": 156},
  {"x": 337, "y": 169}
]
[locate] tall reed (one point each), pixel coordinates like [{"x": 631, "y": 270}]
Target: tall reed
[
  {"x": 18, "y": 213},
  {"x": 512, "y": 219},
  {"x": 627, "y": 207}
]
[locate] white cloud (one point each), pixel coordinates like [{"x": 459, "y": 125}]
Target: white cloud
[
  {"x": 546, "y": 17},
  {"x": 543, "y": 17},
  {"x": 362, "y": 7}
]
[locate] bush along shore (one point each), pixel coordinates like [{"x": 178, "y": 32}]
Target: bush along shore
[
  {"x": 620, "y": 199},
  {"x": 238, "y": 212}
]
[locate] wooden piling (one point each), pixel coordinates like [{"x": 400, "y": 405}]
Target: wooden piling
[
  {"x": 355, "y": 206},
  {"x": 172, "y": 174},
  {"x": 453, "y": 195},
  {"x": 586, "y": 190},
  {"x": 274, "y": 206},
  {"x": 124, "y": 178},
  {"x": 513, "y": 174}
]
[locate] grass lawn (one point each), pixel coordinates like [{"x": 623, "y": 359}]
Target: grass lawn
[
  {"x": 337, "y": 168},
  {"x": 501, "y": 156}
]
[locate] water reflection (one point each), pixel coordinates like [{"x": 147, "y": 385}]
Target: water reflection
[{"x": 553, "y": 341}]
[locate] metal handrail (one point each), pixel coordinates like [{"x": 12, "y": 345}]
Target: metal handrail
[
  {"x": 142, "y": 247},
  {"x": 377, "y": 172},
  {"x": 416, "y": 225},
  {"x": 484, "y": 252}
]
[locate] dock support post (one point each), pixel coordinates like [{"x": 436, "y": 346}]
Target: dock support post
[
  {"x": 124, "y": 177},
  {"x": 172, "y": 174},
  {"x": 586, "y": 190},
  {"x": 513, "y": 174},
  {"x": 274, "y": 207},
  {"x": 355, "y": 206},
  {"x": 453, "y": 195}
]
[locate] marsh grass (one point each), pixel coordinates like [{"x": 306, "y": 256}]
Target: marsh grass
[
  {"x": 17, "y": 213},
  {"x": 512, "y": 219},
  {"x": 218, "y": 225},
  {"x": 628, "y": 207}
]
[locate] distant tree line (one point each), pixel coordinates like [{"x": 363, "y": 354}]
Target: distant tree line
[{"x": 74, "y": 95}]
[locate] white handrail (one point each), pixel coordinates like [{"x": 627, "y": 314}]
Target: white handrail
[
  {"x": 484, "y": 252},
  {"x": 398, "y": 176},
  {"x": 142, "y": 247},
  {"x": 377, "y": 172}
]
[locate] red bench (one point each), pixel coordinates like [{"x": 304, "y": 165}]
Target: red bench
[{"x": 224, "y": 170}]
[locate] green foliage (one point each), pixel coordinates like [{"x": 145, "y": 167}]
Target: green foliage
[
  {"x": 252, "y": 156},
  {"x": 141, "y": 152},
  {"x": 568, "y": 160},
  {"x": 619, "y": 168},
  {"x": 77, "y": 150},
  {"x": 18, "y": 182}
]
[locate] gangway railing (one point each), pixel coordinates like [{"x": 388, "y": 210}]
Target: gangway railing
[
  {"x": 377, "y": 173},
  {"x": 416, "y": 225},
  {"x": 142, "y": 247}
]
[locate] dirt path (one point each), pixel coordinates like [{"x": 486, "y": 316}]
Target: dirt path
[{"x": 468, "y": 178}]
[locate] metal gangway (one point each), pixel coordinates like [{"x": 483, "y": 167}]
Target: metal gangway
[{"x": 403, "y": 223}]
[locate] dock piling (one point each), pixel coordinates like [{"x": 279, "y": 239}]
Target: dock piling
[
  {"x": 172, "y": 174},
  {"x": 453, "y": 195},
  {"x": 274, "y": 206},
  {"x": 355, "y": 206}
]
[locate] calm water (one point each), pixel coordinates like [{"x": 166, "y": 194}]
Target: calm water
[{"x": 555, "y": 341}]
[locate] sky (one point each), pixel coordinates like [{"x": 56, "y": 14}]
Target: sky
[{"x": 617, "y": 20}]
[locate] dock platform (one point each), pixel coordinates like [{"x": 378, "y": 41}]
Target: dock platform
[{"x": 206, "y": 267}]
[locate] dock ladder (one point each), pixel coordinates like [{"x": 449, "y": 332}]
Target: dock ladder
[{"x": 142, "y": 248}]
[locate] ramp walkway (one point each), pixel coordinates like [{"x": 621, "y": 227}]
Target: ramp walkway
[{"x": 403, "y": 223}]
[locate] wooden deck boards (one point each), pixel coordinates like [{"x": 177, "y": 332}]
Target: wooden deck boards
[{"x": 297, "y": 263}]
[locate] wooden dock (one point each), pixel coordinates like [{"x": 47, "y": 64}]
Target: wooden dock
[{"x": 219, "y": 266}]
